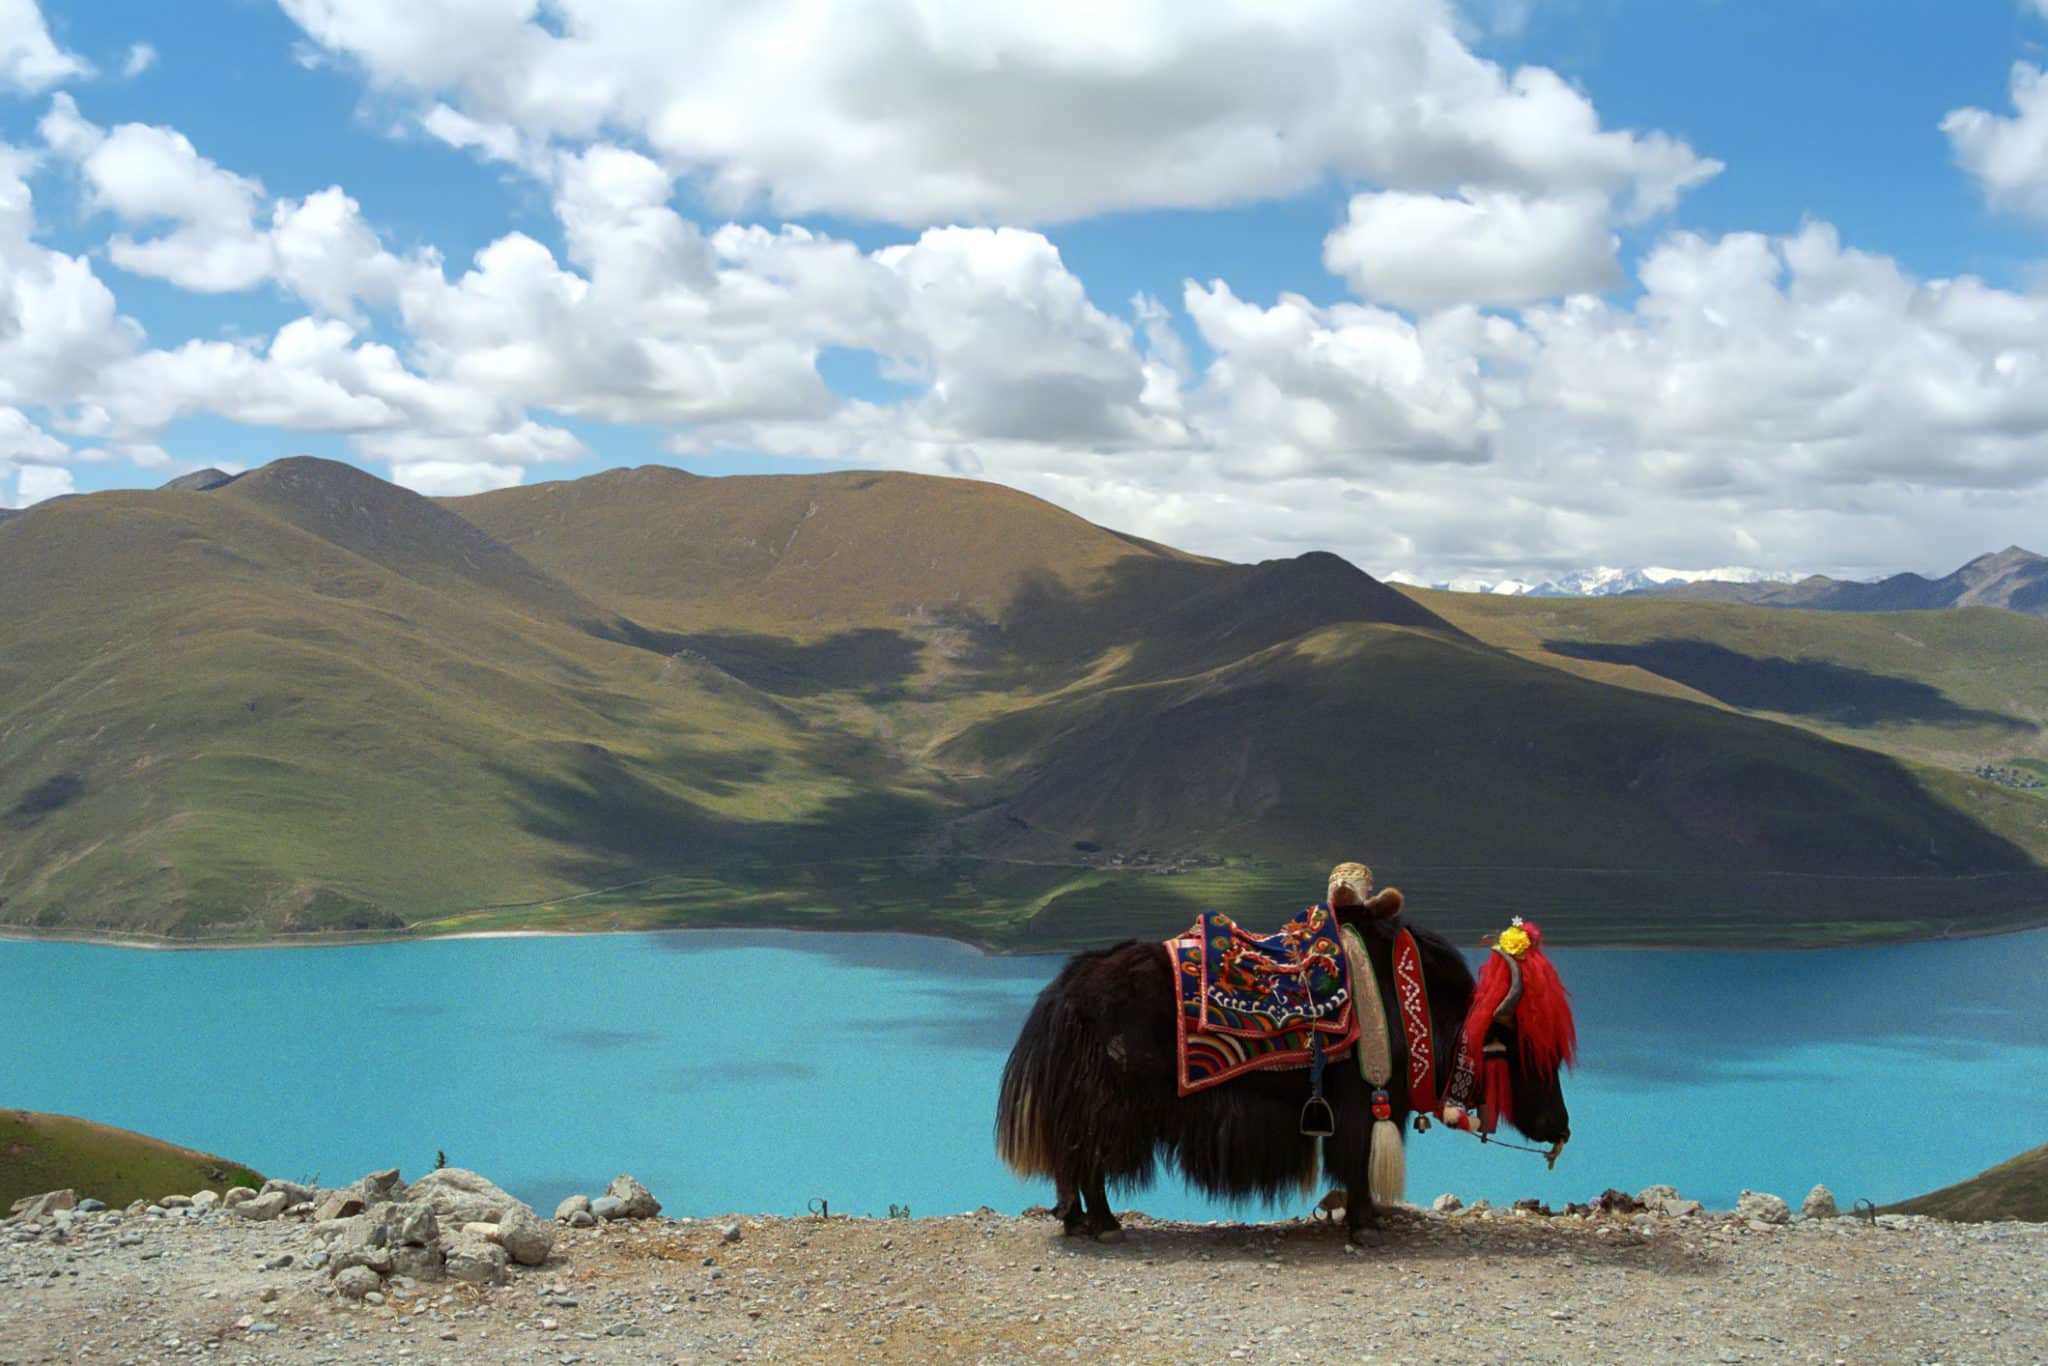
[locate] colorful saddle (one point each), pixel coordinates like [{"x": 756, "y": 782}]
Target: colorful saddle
[{"x": 1260, "y": 1001}]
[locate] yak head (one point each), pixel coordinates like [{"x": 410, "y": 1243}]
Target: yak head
[{"x": 1519, "y": 1035}]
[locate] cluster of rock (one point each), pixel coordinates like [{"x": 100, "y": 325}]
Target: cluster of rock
[
  {"x": 624, "y": 1198},
  {"x": 451, "y": 1224},
  {"x": 1754, "y": 1207}
]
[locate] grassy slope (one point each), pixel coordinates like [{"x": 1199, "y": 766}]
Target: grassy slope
[
  {"x": 307, "y": 701},
  {"x": 1945, "y": 691},
  {"x": 2012, "y": 1190},
  {"x": 242, "y": 728},
  {"x": 56, "y": 1152}
]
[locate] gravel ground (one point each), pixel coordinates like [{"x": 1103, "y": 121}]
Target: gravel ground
[{"x": 1476, "y": 1286}]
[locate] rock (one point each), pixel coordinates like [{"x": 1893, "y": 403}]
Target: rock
[
  {"x": 526, "y": 1239},
  {"x": 262, "y": 1207},
  {"x": 91, "y": 1206},
  {"x": 407, "y": 1223},
  {"x": 1819, "y": 1204},
  {"x": 729, "y": 1233},
  {"x": 469, "y": 1258},
  {"x": 461, "y": 1197},
  {"x": 582, "y": 1218},
  {"x": 1652, "y": 1196},
  {"x": 605, "y": 1207},
  {"x": 361, "y": 1241},
  {"x": 419, "y": 1263},
  {"x": 1447, "y": 1203},
  {"x": 487, "y": 1232},
  {"x": 176, "y": 1201},
  {"x": 1763, "y": 1208},
  {"x": 49, "y": 1202},
  {"x": 295, "y": 1194},
  {"x": 205, "y": 1200},
  {"x": 635, "y": 1200},
  {"x": 571, "y": 1205},
  {"x": 339, "y": 1205},
  {"x": 235, "y": 1195},
  {"x": 356, "y": 1281},
  {"x": 378, "y": 1187},
  {"x": 1682, "y": 1209}
]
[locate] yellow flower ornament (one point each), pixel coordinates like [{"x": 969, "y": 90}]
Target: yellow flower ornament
[{"x": 1514, "y": 940}]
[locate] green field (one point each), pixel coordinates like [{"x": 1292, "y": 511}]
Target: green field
[
  {"x": 2012, "y": 1190},
  {"x": 56, "y": 1152}
]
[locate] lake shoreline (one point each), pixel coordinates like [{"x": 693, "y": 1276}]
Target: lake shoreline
[{"x": 1882, "y": 936}]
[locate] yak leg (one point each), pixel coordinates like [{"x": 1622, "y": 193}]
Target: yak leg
[
  {"x": 1102, "y": 1224},
  {"x": 1347, "y": 1158},
  {"x": 1067, "y": 1205}
]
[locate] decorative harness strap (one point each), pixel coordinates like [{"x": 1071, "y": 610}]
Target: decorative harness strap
[
  {"x": 1457, "y": 1107},
  {"x": 1375, "y": 1047},
  {"x": 1413, "y": 995}
]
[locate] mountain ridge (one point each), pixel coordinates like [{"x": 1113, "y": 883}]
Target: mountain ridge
[{"x": 309, "y": 702}]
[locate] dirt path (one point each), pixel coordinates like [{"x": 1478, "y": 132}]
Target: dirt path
[{"x": 1473, "y": 1287}]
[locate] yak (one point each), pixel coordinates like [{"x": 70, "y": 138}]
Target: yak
[{"x": 1090, "y": 1097}]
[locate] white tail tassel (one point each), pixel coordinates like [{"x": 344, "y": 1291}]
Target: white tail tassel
[{"x": 1387, "y": 1170}]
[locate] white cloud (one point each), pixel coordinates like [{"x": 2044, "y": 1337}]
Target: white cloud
[
  {"x": 1489, "y": 247},
  {"x": 58, "y": 322},
  {"x": 1299, "y": 390},
  {"x": 147, "y": 175},
  {"x": 1022, "y": 110},
  {"x": 39, "y": 482},
  {"x": 453, "y": 478},
  {"x": 30, "y": 60},
  {"x": 22, "y": 441},
  {"x": 141, "y": 57},
  {"x": 2008, "y": 157}
]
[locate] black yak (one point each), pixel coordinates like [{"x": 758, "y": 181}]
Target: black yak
[{"x": 1090, "y": 1096}]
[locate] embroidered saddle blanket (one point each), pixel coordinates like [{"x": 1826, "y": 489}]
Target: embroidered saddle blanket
[{"x": 1256, "y": 1001}]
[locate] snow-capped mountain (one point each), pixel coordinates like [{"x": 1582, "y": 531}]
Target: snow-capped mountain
[{"x": 1604, "y": 581}]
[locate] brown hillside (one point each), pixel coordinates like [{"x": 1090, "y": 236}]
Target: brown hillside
[
  {"x": 2011, "y": 1190},
  {"x": 805, "y": 552}
]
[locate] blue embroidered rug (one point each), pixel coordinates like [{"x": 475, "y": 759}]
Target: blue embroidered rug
[{"x": 1255, "y": 1001}]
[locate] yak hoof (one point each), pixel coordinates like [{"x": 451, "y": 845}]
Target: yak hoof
[
  {"x": 1110, "y": 1235},
  {"x": 1366, "y": 1237}
]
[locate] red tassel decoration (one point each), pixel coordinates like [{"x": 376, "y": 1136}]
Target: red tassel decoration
[
  {"x": 1542, "y": 1020},
  {"x": 1499, "y": 1105},
  {"x": 1550, "y": 1038}
]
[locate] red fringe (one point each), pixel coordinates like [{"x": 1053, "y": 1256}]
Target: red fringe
[
  {"x": 1499, "y": 1091},
  {"x": 1543, "y": 1017}
]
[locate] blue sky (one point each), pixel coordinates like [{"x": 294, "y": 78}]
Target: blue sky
[{"x": 1269, "y": 279}]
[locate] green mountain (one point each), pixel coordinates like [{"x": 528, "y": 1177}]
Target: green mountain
[
  {"x": 2011, "y": 1190},
  {"x": 304, "y": 701},
  {"x": 2011, "y": 578},
  {"x": 115, "y": 1166}
]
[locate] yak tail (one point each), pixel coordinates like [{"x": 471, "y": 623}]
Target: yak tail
[
  {"x": 1387, "y": 1168},
  {"x": 1022, "y": 1138}
]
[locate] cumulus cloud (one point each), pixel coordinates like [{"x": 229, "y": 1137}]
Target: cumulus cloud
[
  {"x": 2008, "y": 156},
  {"x": 1489, "y": 247},
  {"x": 1017, "y": 111},
  {"x": 30, "y": 60},
  {"x": 39, "y": 482},
  {"x": 58, "y": 322}
]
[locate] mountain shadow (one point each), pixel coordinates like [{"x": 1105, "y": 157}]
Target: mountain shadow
[
  {"x": 1178, "y": 616},
  {"x": 1793, "y": 687},
  {"x": 871, "y": 661}
]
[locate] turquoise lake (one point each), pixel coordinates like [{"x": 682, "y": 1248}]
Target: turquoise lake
[{"x": 753, "y": 1072}]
